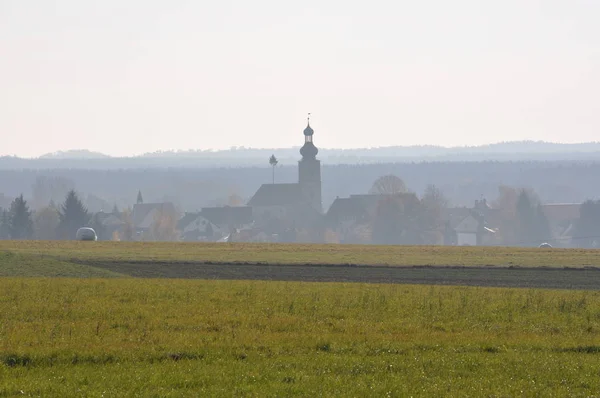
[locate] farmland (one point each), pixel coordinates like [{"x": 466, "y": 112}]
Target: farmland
[
  {"x": 117, "y": 319},
  {"x": 153, "y": 337},
  {"x": 478, "y": 266},
  {"x": 298, "y": 254}
]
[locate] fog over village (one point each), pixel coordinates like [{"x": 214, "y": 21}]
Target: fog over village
[
  {"x": 433, "y": 123},
  {"x": 415, "y": 196},
  {"x": 321, "y": 198}
]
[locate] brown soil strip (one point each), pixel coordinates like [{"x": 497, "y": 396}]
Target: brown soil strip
[{"x": 571, "y": 278}]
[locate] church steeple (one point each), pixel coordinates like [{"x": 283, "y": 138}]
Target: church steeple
[
  {"x": 309, "y": 150},
  {"x": 309, "y": 170}
]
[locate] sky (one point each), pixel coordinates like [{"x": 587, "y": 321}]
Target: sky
[{"x": 137, "y": 76}]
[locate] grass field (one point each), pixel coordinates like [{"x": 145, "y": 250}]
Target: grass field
[
  {"x": 128, "y": 337},
  {"x": 93, "y": 252},
  {"x": 101, "y": 333}
]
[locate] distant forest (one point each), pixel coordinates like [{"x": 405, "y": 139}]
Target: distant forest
[
  {"x": 248, "y": 157},
  {"x": 191, "y": 188}
]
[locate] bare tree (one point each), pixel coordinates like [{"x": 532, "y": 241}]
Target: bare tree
[
  {"x": 388, "y": 185},
  {"x": 128, "y": 232},
  {"x": 164, "y": 227},
  {"x": 235, "y": 200},
  {"x": 273, "y": 162},
  {"x": 45, "y": 223},
  {"x": 431, "y": 218},
  {"x": 434, "y": 197}
]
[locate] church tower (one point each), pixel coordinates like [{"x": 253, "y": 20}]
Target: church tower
[{"x": 309, "y": 170}]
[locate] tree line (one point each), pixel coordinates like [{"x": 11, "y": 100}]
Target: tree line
[
  {"x": 193, "y": 188},
  {"x": 515, "y": 218},
  {"x": 48, "y": 223}
]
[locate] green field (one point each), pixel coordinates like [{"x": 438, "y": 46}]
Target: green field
[
  {"x": 94, "y": 252},
  {"x": 127, "y": 337},
  {"x": 94, "y": 332}
]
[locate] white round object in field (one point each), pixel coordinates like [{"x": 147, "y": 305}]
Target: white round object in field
[{"x": 86, "y": 233}]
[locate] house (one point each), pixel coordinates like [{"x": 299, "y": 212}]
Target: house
[
  {"x": 107, "y": 224},
  {"x": 471, "y": 231},
  {"x": 195, "y": 227},
  {"x": 227, "y": 217},
  {"x": 280, "y": 206},
  {"x": 145, "y": 215},
  {"x": 344, "y": 216},
  {"x": 562, "y": 218},
  {"x": 347, "y": 215},
  {"x": 474, "y": 226},
  {"x": 214, "y": 223}
]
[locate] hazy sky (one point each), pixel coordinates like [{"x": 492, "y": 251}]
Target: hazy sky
[{"x": 128, "y": 77}]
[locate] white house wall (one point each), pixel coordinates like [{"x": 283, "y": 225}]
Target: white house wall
[{"x": 465, "y": 238}]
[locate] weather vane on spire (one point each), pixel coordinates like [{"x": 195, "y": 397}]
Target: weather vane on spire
[{"x": 308, "y": 118}]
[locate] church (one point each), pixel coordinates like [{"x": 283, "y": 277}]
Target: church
[{"x": 277, "y": 207}]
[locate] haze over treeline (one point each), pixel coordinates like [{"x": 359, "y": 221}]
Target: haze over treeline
[
  {"x": 192, "y": 188},
  {"x": 194, "y": 179},
  {"x": 240, "y": 156}
]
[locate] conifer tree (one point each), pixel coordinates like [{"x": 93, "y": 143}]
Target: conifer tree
[
  {"x": 73, "y": 215},
  {"x": 140, "y": 199},
  {"x": 20, "y": 225},
  {"x": 4, "y": 224}
]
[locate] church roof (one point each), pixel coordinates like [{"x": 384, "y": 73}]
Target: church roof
[{"x": 277, "y": 195}]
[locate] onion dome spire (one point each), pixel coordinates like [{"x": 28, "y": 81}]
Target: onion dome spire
[{"x": 309, "y": 150}]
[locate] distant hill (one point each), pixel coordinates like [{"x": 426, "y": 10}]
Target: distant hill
[
  {"x": 75, "y": 154},
  {"x": 258, "y": 157},
  {"x": 533, "y": 147}
]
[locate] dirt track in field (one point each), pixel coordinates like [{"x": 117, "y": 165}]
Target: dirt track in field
[{"x": 588, "y": 279}]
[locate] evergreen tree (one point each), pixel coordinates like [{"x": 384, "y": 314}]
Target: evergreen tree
[
  {"x": 4, "y": 224},
  {"x": 73, "y": 215},
  {"x": 20, "y": 225},
  {"x": 140, "y": 199}
]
